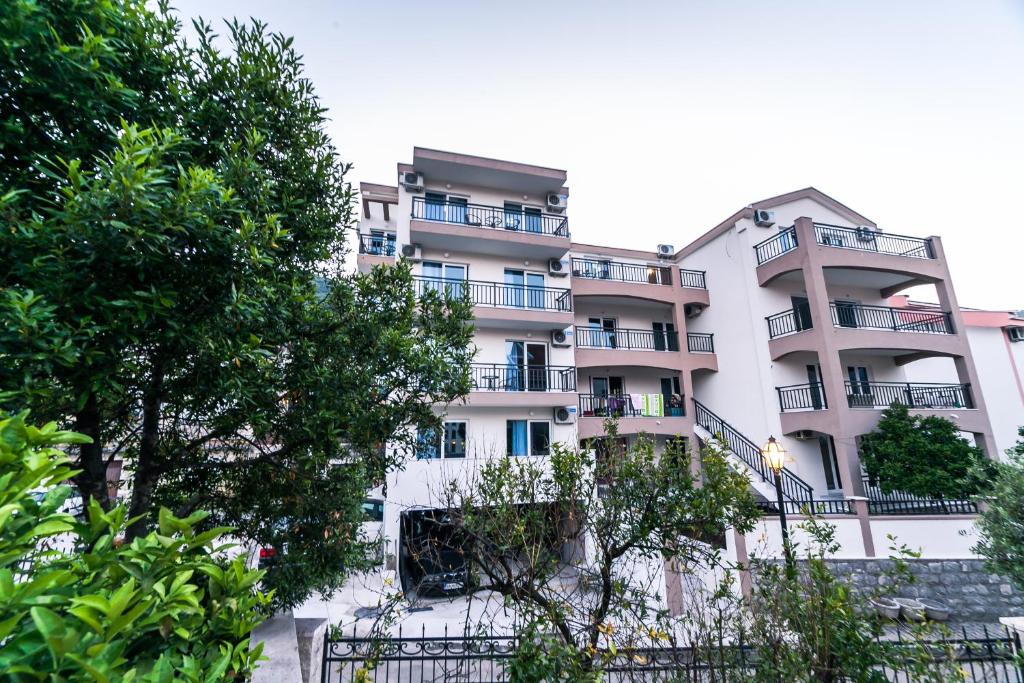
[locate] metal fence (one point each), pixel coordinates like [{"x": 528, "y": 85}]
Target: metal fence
[
  {"x": 601, "y": 269},
  {"x": 515, "y": 377},
  {"x": 377, "y": 245},
  {"x": 849, "y": 314},
  {"x": 877, "y": 395},
  {"x": 693, "y": 279},
  {"x": 788, "y": 322},
  {"x": 902, "y": 503},
  {"x": 499, "y": 294},
  {"x": 700, "y": 342},
  {"x": 626, "y": 338},
  {"x": 990, "y": 656},
  {"x": 776, "y": 245},
  {"x": 865, "y": 239},
  {"x": 515, "y": 219},
  {"x": 810, "y": 396}
]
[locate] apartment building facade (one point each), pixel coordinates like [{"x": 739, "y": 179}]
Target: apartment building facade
[{"x": 778, "y": 321}]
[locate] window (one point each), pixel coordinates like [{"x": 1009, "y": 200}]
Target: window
[
  {"x": 829, "y": 463},
  {"x": 450, "y": 276},
  {"x": 431, "y": 446},
  {"x": 428, "y": 444},
  {"x": 846, "y": 313},
  {"x": 533, "y": 219},
  {"x": 524, "y": 437},
  {"x": 859, "y": 383},
  {"x": 601, "y": 333},
  {"x": 440, "y": 207},
  {"x": 455, "y": 439},
  {"x": 373, "y": 510},
  {"x": 665, "y": 337},
  {"x": 523, "y": 289},
  {"x": 382, "y": 243}
]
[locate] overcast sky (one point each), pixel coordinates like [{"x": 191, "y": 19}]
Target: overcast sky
[{"x": 669, "y": 116}]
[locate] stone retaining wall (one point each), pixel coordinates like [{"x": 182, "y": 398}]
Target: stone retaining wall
[{"x": 973, "y": 594}]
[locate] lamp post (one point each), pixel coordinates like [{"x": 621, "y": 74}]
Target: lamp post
[{"x": 775, "y": 455}]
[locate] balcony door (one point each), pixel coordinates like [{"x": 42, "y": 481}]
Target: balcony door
[
  {"x": 846, "y": 313},
  {"x": 524, "y": 289},
  {"x": 451, "y": 276},
  {"x": 833, "y": 482},
  {"x": 526, "y": 366},
  {"x": 601, "y": 332},
  {"x": 815, "y": 389},
  {"x": 665, "y": 337},
  {"x": 382, "y": 243},
  {"x": 801, "y": 313}
]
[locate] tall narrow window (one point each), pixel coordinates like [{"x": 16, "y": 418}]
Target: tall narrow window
[
  {"x": 533, "y": 220},
  {"x": 455, "y": 439},
  {"x": 516, "y": 437},
  {"x": 433, "y": 206},
  {"x": 535, "y": 290},
  {"x": 514, "y": 294},
  {"x": 457, "y": 209},
  {"x": 540, "y": 438},
  {"x": 428, "y": 444},
  {"x": 513, "y": 216}
]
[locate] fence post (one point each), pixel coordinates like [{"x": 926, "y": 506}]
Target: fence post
[{"x": 860, "y": 507}]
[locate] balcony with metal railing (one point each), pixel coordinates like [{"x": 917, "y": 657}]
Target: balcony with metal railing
[
  {"x": 789, "y": 322},
  {"x": 808, "y": 396},
  {"x": 619, "y": 271},
  {"x": 626, "y": 339},
  {"x": 657, "y": 414},
  {"x": 859, "y": 316},
  {"x": 866, "y": 239},
  {"x": 700, "y": 342},
  {"x": 511, "y": 230},
  {"x": 512, "y": 384},
  {"x": 775, "y": 246},
  {"x": 377, "y": 245},
  {"x": 693, "y": 279},
  {"x": 499, "y": 303},
  {"x": 917, "y": 396}
]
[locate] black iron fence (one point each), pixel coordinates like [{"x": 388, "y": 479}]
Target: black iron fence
[
  {"x": 493, "y": 217},
  {"x": 902, "y": 503},
  {"x": 776, "y": 245},
  {"x": 514, "y": 377},
  {"x": 626, "y": 338},
  {"x": 846, "y": 314},
  {"x": 880, "y": 395},
  {"x": 809, "y": 396},
  {"x": 402, "y": 658},
  {"x": 700, "y": 342},
  {"x": 608, "y": 405},
  {"x": 865, "y": 239},
  {"x": 789, "y": 322},
  {"x": 793, "y": 487},
  {"x": 694, "y": 279},
  {"x": 377, "y": 245},
  {"x": 499, "y": 294},
  {"x": 825, "y": 506},
  {"x": 600, "y": 269}
]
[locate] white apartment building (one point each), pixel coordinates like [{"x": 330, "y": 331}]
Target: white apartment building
[{"x": 778, "y": 321}]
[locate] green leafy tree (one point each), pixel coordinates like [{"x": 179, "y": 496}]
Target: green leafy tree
[
  {"x": 923, "y": 456},
  {"x": 172, "y": 287},
  {"x": 78, "y": 603},
  {"x": 1001, "y": 525},
  {"x": 605, "y": 522}
]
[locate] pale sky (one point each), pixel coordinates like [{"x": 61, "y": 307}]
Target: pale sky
[{"x": 670, "y": 116}]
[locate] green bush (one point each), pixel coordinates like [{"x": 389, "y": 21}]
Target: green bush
[{"x": 77, "y": 603}]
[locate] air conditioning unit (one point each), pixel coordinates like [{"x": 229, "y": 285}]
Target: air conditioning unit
[
  {"x": 411, "y": 181},
  {"x": 557, "y": 202},
  {"x": 413, "y": 252},
  {"x": 561, "y": 338},
  {"x": 666, "y": 250},
  {"x": 558, "y": 267},
  {"x": 764, "y": 218},
  {"x": 565, "y": 416},
  {"x": 1016, "y": 334},
  {"x": 693, "y": 310},
  {"x": 803, "y": 434}
]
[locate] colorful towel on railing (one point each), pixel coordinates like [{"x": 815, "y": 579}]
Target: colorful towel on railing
[
  {"x": 635, "y": 405},
  {"x": 653, "y": 405}
]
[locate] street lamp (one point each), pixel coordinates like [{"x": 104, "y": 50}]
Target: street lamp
[{"x": 775, "y": 455}]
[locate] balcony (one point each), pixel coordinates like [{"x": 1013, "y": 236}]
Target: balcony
[
  {"x": 626, "y": 339},
  {"x": 692, "y": 279},
  {"x": 377, "y": 245},
  {"x": 865, "y": 239},
  {"x": 775, "y": 246},
  {"x": 461, "y": 226},
  {"x": 881, "y": 395},
  {"x": 850, "y": 315},
  {"x": 657, "y": 415},
  {"x": 789, "y": 322},
  {"x": 700, "y": 342},
  {"x": 810, "y": 396},
  {"x": 497, "y": 304},
  {"x": 503, "y": 384},
  {"x": 600, "y": 269}
]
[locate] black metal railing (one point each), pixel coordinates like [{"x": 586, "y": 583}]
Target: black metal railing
[
  {"x": 888, "y": 318},
  {"x": 694, "y": 279},
  {"x": 700, "y": 342},
  {"x": 776, "y": 245},
  {"x": 902, "y": 503},
  {"x": 513, "y": 377},
  {"x": 499, "y": 294},
  {"x": 788, "y": 322},
  {"x": 810, "y": 396},
  {"x": 865, "y": 239},
  {"x": 600, "y": 269},
  {"x": 409, "y": 655},
  {"x": 793, "y": 487},
  {"x": 877, "y": 395},
  {"x": 621, "y": 405},
  {"x": 490, "y": 217},
  {"x": 825, "y": 506},
  {"x": 626, "y": 338},
  {"x": 377, "y": 245}
]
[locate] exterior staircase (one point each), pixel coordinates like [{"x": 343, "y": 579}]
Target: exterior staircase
[{"x": 743, "y": 450}]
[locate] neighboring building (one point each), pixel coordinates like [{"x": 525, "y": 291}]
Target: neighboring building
[
  {"x": 775, "y": 322},
  {"x": 997, "y": 343}
]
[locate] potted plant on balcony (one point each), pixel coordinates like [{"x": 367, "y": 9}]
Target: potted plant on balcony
[{"x": 675, "y": 406}]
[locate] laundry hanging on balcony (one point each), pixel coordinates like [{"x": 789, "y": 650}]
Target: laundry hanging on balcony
[{"x": 653, "y": 405}]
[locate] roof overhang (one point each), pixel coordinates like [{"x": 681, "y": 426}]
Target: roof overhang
[{"x": 473, "y": 170}]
